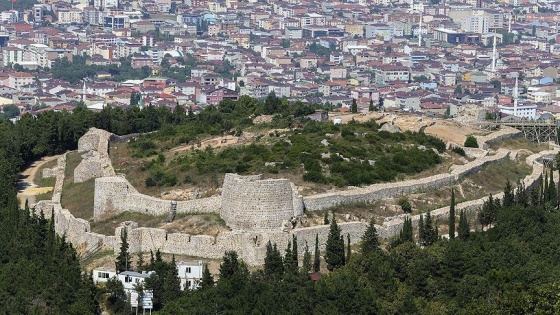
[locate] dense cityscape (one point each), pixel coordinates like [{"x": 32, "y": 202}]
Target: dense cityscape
[{"x": 279, "y": 157}]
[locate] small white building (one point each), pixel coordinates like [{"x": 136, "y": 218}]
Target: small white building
[
  {"x": 528, "y": 111},
  {"x": 190, "y": 274},
  {"x": 131, "y": 278},
  {"x": 103, "y": 274}
]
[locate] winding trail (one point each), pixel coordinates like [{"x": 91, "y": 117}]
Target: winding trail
[{"x": 27, "y": 189}]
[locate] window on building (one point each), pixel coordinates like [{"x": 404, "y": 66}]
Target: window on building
[
  {"x": 189, "y": 283},
  {"x": 188, "y": 270},
  {"x": 127, "y": 279},
  {"x": 103, "y": 275}
]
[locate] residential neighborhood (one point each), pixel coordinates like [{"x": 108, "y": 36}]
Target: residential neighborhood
[{"x": 429, "y": 57}]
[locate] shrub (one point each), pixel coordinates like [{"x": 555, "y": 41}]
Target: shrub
[
  {"x": 459, "y": 151},
  {"x": 471, "y": 142},
  {"x": 405, "y": 205}
]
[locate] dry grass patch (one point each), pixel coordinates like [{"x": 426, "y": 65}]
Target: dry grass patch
[
  {"x": 77, "y": 197},
  {"x": 45, "y": 182},
  {"x": 194, "y": 224},
  {"x": 519, "y": 144}
]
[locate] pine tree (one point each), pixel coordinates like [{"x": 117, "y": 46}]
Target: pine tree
[
  {"x": 348, "y": 248},
  {"x": 316, "y": 257},
  {"x": 230, "y": 265},
  {"x": 463, "y": 230},
  {"x": 354, "y": 107},
  {"x": 370, "y": 239},
  {"x": 487, "y": 214},
  {"x": 335, "y": 247},
  {"x": 207, "y": 280},
  {"x": 306, "y": 265},
  {"x": 123, "y": 262},
  {"x": 452, "y": 215},
  {"x": 171, "y": 283}
]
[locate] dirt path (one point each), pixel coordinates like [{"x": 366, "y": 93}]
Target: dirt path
[{"x": 27, "y": 190}]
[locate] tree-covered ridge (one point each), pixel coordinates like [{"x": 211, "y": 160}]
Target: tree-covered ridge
[
  {"x": 39, "y": 271},
  {"x": 511, "y": 268}
]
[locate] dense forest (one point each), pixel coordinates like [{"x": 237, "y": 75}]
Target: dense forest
[{"x": 510, "y": 268}]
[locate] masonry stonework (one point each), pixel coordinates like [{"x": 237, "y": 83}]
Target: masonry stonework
[
  {"x": 242, "y": 201},
  {"x": 252, "y": 203}
]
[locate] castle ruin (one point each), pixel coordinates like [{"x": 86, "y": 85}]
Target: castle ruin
[{"x": 257, "y": 210}]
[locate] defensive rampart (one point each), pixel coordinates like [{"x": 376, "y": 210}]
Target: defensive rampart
[
  {"x": 95, "y": 160},
  {"x": 118, "y": 195},
  {"x": 387, "y": 190},
  {"x": 253, "y": 203},
  {"x": 484, "y": 142}
]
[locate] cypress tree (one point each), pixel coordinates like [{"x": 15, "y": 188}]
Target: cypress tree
[
  {"x": 207, "y": 280},
  {"x": 289, "y": 265},
  {"x": 273, "y": 264},
  {"x": 371, "y": 107},
  {"x": 354, "y": 107},
  {"x": 326, "y": 218},
  {"x": 521, "y": 197},
  {"x": 316, "y": 258},
  {"x": 370, "y": 239},
  {"x": 348, "y": 248},
  {"x": 546, "y": 191},
  {"x": 430, "y": 230},
  {"x": 123, "y": 262},
  {"x": 552, "y": 189},
  {"x": 140, "y": 262},
  {"x": 295, "y": 251},
  {"x": 406, "y": 234},
  {"x": 306, "y": 265},
  {"x": 229, "y": 266},
  {"x": 452, "y": 215},
  {"x": 535, "y": 196},
  {"x": 335, "y": 247},
  {"x": 421, "y": 231},
  {"x": 509, "y": 198},
  {"x": 463, "y": 230}
]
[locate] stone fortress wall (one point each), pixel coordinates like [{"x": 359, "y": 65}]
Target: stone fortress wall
[
  {"x": 95, "y": 160},
  {"x": 253, "y": 203},
  {"x": 250, "y": 244}
]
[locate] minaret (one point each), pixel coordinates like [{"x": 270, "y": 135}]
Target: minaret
[
  {"x": 515, "y": 96},
  {"x": 420, "y": 31},
  {"x": 494, "y": 57},
  {"x": 84, "y": 91}
]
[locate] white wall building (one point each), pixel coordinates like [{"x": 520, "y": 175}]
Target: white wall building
[
  {"x": 476, "y": 23},
  {"x": 129, "y": 279},
  {"x": 190, "y": 274},
  {"x": 103, "y": 274},
  {"x": 12, "y": 55},
  {"x": 523, "y": 111},
  {"x": 69, "y": 16}
]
